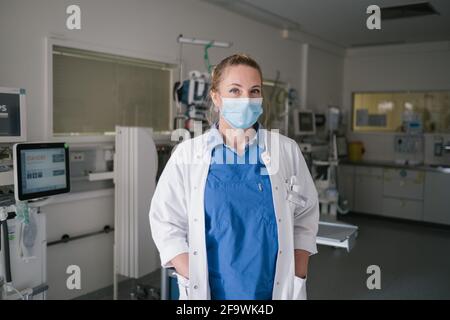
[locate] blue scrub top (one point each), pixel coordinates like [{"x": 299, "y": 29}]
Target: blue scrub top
[{"x": 240, "y": 225}]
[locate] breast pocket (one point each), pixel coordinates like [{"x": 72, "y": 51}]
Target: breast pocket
[{"x": 297, "y": 202}]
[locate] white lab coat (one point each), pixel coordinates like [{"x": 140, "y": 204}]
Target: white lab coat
[{"x": 177, "y": 216}]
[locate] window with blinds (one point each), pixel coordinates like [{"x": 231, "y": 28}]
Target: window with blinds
[
  {"x": 274, "y": 103},
  {"x": 93, "y": 92}
]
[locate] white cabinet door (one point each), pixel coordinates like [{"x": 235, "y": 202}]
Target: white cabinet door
[
  {"x": 368, "y": 190},
  {"x": 346, "y": 183},
  {"x": 437, "y": 198},
  {"x": 403, "y": 208}
]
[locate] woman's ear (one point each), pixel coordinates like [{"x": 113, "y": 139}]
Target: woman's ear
[{"x": 216, "y": 99}]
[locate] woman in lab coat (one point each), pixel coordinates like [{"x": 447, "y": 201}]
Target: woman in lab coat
[{"x": 235, "y": 211}]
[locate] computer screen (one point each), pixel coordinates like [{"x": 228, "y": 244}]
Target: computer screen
[
  {"x": 12, "y": 115},
  {"x": 305, "y": 123},
  {"x": 41, "y": 170}
]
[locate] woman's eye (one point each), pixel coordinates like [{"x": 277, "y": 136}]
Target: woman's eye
[
  {"x": 234, "y": 90},
  {"x": 256, "y": 91}
]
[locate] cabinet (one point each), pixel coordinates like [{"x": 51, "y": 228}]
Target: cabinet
[
  {"x": 396, "y": 192},
  {"x": 437, "y": 198},
  {"x": 368, "y": 193},
  {"x": 402, "y": 183},
  {"x": 402, "y": 208},
  {"x": 403, "y": 193},
  {"x": 346, "y": 184}
]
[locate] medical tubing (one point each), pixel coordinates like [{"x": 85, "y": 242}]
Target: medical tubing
[{"x": 206, "y": 57}]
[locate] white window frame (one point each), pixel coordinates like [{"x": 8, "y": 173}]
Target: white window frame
[{"x": 50, "y": 42}]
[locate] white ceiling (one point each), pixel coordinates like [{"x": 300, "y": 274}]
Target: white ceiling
[{"x": 343, "y": 22}]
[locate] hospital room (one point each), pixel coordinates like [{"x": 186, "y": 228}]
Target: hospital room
[{"x": 134, "y": 136}]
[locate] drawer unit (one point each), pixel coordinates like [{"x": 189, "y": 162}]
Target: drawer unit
[
  {"x": 402, "y": 183},
  {"x": 402, "y": 208},
  {"x": 406, "y": 193}
]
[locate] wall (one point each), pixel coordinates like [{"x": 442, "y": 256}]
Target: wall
[
  {"x": 93, "y": 255},
  {"x": 320, "y": 79},
  {"x": 325, "y": 74},
  {"x": 140, "y": 28},
  {"x": 422, "y": 66}
]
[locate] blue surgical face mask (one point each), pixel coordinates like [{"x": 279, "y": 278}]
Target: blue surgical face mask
[{"x": 241, "y": 113}]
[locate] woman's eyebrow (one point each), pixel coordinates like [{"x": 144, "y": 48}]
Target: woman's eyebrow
[{"x": 238, "y": 85}]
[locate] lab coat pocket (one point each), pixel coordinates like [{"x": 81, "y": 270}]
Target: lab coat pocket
[
  {"x": 299, "y": 288},
  {"x": 296, "y": 201},
  {"x": 183, "y": 287}
]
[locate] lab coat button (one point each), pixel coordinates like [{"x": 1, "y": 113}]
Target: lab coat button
[
  {"x": 278, "y": 283},
  {"x": 195, "y": 252},
  {"x": 196, "y": 287}
]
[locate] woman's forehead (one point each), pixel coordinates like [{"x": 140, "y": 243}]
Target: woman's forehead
[{"x": 241, "y": 74}]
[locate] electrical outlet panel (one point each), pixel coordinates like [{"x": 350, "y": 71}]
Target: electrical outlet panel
[{"x": 77, "y": 156}]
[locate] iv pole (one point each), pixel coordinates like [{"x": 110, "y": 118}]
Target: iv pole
[
  {"x": 192, "y": 41},
  {"x": 201, "y": 42}
]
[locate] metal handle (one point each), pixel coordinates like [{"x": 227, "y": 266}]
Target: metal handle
[{"x": 66, "y": 238}]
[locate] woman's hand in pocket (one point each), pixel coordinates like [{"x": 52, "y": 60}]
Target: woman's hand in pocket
[{"x": 181, "y": 264}]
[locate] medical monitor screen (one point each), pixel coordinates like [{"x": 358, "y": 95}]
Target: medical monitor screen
[
  {"x": 42, "y": 170},
  {"x": 9, "y": 114},
  {"x": 306, "y": 122}
]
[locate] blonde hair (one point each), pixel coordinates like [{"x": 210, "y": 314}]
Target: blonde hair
[{"x": 234, "y": 60}]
